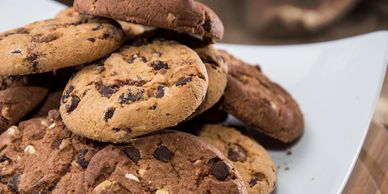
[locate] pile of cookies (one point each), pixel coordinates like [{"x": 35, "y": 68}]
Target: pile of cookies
[{"x": 131, "y": 97}]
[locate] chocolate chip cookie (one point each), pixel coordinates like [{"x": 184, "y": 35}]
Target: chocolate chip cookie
[
  {"x": 250, "y": 159},
  {"x": 135, "y": 91},
  {"x": 217, "y": 71},
  {"x": 187, "y": 16},
  {"x": 253, "y": 98},
  {"x": 53, "y": 44},
  {"x": 19, "y": 95},
  {"x": 35, "y": 156},
  {"x": 164, "y": 162},
  {"x": 130, "y": 29}
]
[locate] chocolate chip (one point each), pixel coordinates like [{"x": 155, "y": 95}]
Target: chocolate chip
[
  {"x": 153, "y": 107},
  {"x": 91, "y": 39},
  {"x": 116, "y": 130},
  {"x": 31, "y": 57},
  {"x": 252, "y": 182},
  {"x": 237, "y": 153},
  {"x": 106, "y": 91},
  {"x": 163, "y": 154},
  {"x": 16, "y": 51},
  {"x": 160, "y": 92},
  {"x": 57, "y": 143},
  {"x": 158, "y": 65},
  {"x": 80, "y": 159},
  {"x": 109, "y": 113},
  {"x": 132, "y": 153},
  {"x": 130, "y": 97},
  {"x": 220, "y": 170},
  {"x": 4, "y": 158},
  {"x": 98, "y": 27},
  {"x": 67, "y": 93},
  {"x": 41, "y": 38},
  {"x": 13, "y": 184},
  {"x": 184, "y": 80},
  {"x": 128, "y": 130},
  {"x": 207, "y": 25},
  {"x": 73, "y": 104}
]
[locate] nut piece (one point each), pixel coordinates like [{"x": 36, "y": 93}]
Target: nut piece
[
  {"x": 29, "y": 150},
  {"x": 13, "y": 131},
  {"x": 132, "y": 177},
  {"x": 162, "y": 191}
]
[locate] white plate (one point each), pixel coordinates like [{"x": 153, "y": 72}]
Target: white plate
[{"x": 336, "y": 83}]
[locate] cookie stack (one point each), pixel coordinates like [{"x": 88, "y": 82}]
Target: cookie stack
[{"x": 105, "y": 101}]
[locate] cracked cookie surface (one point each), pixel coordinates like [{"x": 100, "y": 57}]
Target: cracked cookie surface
[
  {"x": 164, "y": 162},
  {"x": 187, "y": 16},
  {"x": 19, "y": 95},
  {"x": 53, "y": 44},
  {"x": 253, "y": 98},
  {"x": 135, "y": 91},
  {"x": 250, "y": 159}
]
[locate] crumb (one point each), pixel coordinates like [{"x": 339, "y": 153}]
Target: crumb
[
  {"x": 286, "y": 168},
  {"x": 289, "y": 152}
]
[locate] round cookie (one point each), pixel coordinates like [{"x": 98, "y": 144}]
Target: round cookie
[
  {"x": 250, "y": 159},
  {"x": 53, "y": 44},
  {"x": 130, "y": 29},
  {"x": 187, "y": 16},
  {"x": 135, "y": 91},
  {"x": 19, "y": 95},
  {"x": 253, "y": 98},
  {"x": 217, "y": 71},
  {"x": 164, "y": 162},
  {"x": 35, "y": 156}
]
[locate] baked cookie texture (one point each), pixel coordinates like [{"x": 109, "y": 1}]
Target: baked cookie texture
[
  {"x": 253, "y": 98},
  {"x": 42, "y": 156},
  {"x": 19, "y": 95},
  {"x": 53, "y": 44},
  {"x": 250, "y": 159},
  {"x": 131, "y": 30},
  {"x": 135, "y": 91},
  {"x": 187, "y": 16},
  {"x": 217, "y": 71}
]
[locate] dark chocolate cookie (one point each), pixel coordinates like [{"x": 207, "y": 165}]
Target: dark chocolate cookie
[
  {"x": 253, "y": 98},
  {"x": 186, "y": 16}
]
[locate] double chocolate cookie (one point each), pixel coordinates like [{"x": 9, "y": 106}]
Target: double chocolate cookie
[
  {"x": 53, "y": 44},
  {"x": 187, "y": 16},
  {"x": 250, "y": 159},
  {"x": 19, "y": 95},
  {"x": 135, "y": 91},
  {"x": 253, "y": 98}
]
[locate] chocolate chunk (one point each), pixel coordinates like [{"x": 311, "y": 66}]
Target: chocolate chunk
[
  {"x": 160, "y": 92},
  {"x": 67, "y": 93},
  {"x": 80, "y": 159},
  {"x": 4, "y": 158},
  {"x": 16, "y": 51},
  {"x": 106, "y": 91},
  {"x": 163, "y": 154},
  {"x": 73, "y": 104},
  {"x": 237, "y": 153},
  {"x": 132, "y": 153},
  {"x": 98, "y": 27},
  {"x": 91, "y": 39},
  {"x": 158, "y": 65},
  {"x": 41, "y": 38},
  {"x": 116, "y": 130},
  {"x": 184, "y": 80},
  {"x": 252, "y": 182},
  {"x": 220, "y": 170},
  {"x": 31, "y": 57},
  {"x": 130, "y": 97},
  {"x": 109, "y": 113},
  {"x": 13, "y": 184}
]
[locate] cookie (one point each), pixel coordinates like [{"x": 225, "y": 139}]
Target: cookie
[
  {"x": 48, "y": 45},
  {"x": 253, "y": 98},
  {"x": 135, "y": 91},
  {"x": 217, "y": 71},
  {"x": 165, "y": 162},
  {"x": 250, "y": 159},
  {"x": 131, "y": 30},
  {"x": 19, "y": 95},
  {"x": 35, "y": 156},
  {"x": 186, "y": 16}
]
